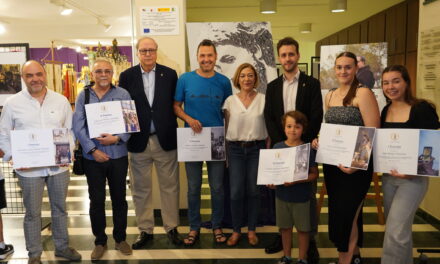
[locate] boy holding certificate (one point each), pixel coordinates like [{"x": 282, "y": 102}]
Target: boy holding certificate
[{"x": 293, "y": 198}]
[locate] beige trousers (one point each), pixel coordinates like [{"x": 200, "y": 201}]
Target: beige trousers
[{"x": 141, "y": 171}]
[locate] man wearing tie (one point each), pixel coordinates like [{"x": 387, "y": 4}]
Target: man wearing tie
[{"x": 152, "y": 87}]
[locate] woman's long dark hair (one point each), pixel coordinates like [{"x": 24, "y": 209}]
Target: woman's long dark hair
[
  {"x": 408, "y": 95},
  {"x": 351, "y": 94}
]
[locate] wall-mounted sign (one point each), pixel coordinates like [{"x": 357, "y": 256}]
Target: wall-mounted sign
[{"x": 159, "y": 20}]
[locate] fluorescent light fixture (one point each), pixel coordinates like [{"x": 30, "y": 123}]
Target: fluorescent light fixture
[
  {"x": 66, "y": 11},
  {"x": 337, "y": 6},
  {"x": 268, "y": 6},
  {"x": 305, "y": 27}
]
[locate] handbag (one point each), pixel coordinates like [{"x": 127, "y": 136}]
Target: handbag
[{"x": 78, "y": 163}]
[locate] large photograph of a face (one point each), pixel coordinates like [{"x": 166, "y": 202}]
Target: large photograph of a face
[
  {"x": 371, "y": 61},
  {"x": 236, "y": 43}
]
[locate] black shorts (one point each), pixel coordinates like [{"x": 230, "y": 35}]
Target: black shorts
[{"x": 2, "y": 194}]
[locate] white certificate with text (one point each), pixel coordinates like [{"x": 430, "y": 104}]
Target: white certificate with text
[
  {"x": 349, "y": 146},
  {"x": 207, "y": 145},
  {"x": 40, "y": 147},
  {"x": 408, "y": 151},
  {"x": 277, "y": 166},
  {"x": 115, "y": 117}
]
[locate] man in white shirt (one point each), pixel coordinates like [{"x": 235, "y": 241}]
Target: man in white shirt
[{"x": 37, "y": 107}]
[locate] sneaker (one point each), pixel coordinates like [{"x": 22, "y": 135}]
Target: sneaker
[
  {"x": 34, "y": 260},
  {"x": 5, "y": 252},
  {"x": 301, "y": 261},
  {"x": 285, "y": 260},
  {"x": 98, "y": 251},
  {"x": 124, "y": 248},
  {"x": 68, "y": 253}
]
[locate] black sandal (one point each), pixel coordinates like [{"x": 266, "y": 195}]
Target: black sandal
[
  {"x": 218, "y": 237},
  {"x": 191, "y": 239}
]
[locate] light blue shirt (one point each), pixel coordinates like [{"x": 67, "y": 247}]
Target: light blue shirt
[
  {"x": 81, "y": 130},
  {"x": 149, "y": 79}
]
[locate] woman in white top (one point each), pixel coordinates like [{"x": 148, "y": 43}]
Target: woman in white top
[{"x": 246, "y": 135}]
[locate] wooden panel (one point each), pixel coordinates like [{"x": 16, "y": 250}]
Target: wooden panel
[
  {"x": 354, "y": 34},
  {"x": 400, "y": 28},
  {"x": 376, "y": 28},
  {"x": 390, "y": 26},
  {"x": 343, "y": 37},
  {"x": 333, "y": 39},
  {"x": 364, "y": 31},
  {"x": 411, "y": 65},
  {"x": 318, "y": 48},
  {"x": 396, "y": 59},
  {"x": 325, "y": 41},
  {"x": 413, "y": 25}
]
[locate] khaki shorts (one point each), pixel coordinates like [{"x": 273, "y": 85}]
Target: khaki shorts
[{"x": 289, "y": 214}]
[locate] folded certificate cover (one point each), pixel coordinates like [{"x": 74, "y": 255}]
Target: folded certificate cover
[
  {"x": 115, "y": 117},
  {"x": 207, "y": 145},
  {"x": 40, "y": 147},
  {"x": 349, "y": 146},
  {"x": 408, "y": 151}
]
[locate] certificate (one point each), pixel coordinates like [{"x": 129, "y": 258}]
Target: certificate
[
  {"x": 204, "y": 146},
  {"x": 409, "y": 151},
  {"x": 277, "y": 166},
  {"x": 113, "y": 117},
  {"x": 40, "y": 147},
  {"x": 349, "y": 146}
]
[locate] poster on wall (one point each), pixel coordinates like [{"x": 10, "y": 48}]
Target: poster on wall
[
  {"x": 159, "y": 20},
  {"x": 372, "y": 60},
  {"x": 12, "y": 56},
  {"x": 236, "y": 43},
  {"x": 429, "y": 64}
]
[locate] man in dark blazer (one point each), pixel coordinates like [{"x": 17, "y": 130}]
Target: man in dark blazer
[
  {"x": 294, "y": 90},
  {"x": 152, "y": 87}
]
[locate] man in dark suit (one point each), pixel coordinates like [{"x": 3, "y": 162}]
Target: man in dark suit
[
  {"x": 294, "y": 90},
  {"x": 152, "y": 87}
]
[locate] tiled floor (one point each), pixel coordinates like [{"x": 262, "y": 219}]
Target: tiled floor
[{"x": 160, "y": 251}]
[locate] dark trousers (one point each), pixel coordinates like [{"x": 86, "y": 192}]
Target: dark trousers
[{"x": 115, "y": 172}]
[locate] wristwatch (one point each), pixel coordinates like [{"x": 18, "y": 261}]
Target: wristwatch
[{"x": 92, "y": 150}]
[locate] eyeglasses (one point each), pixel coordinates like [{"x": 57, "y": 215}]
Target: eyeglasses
[
  {"x": 145, "y": 51},
  {"x": 108, "y": 72}
]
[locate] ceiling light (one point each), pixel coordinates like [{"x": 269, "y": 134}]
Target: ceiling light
[
  {"x": 268, "y": 6},
  {"x": 337, "y": 6},
  {"x": 305, "y": 27},
  {"x": 66, "y": 11},
  {"x": 2, "y": 29}
]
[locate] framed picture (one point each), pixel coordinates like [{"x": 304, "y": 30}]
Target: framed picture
[
  {"x": 12, "y": 56},
  {"x": 315, "y": 66},
  {"x": 303, "y": 67}
]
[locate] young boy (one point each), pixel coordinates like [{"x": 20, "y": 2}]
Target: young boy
[
  {"x": 292, "y": 198},
  {"x": 5, "y": 249}
]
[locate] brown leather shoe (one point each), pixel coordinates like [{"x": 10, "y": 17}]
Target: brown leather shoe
[
  {"x": 98, "y": 252},
  {"x": 124, "y": 248},
  {"x": 233, "y": 239}
]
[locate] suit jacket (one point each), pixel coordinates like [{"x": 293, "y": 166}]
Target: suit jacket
[
  {"x": 160, "y": 111},
  {"x": 308, "y": 101}
]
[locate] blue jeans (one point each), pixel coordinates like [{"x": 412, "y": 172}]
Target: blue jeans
[
  {"x": 215, "y": 178},
  {"x": 243, "y": 171}
]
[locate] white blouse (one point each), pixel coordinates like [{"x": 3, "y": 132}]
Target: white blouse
[{"x": 245, "y": 124}]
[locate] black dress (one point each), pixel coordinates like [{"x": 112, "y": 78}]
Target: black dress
[{"x": 346, "y": 192}]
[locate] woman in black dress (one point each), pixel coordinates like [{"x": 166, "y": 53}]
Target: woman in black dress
[{"x": 349, "y": 104}]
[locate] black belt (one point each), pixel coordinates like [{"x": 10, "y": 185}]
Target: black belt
[{"x": 246, "y": 144}]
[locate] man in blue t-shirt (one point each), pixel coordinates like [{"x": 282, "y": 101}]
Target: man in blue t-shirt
[{"x": 203, "y": 93}]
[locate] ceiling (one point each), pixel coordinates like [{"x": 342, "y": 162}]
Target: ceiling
[{"x": 38, "y": 22}]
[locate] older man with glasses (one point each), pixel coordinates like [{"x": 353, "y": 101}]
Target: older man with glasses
[
  {"x": 105, "y": 159},
  {"x": 152, "y": 87}
]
